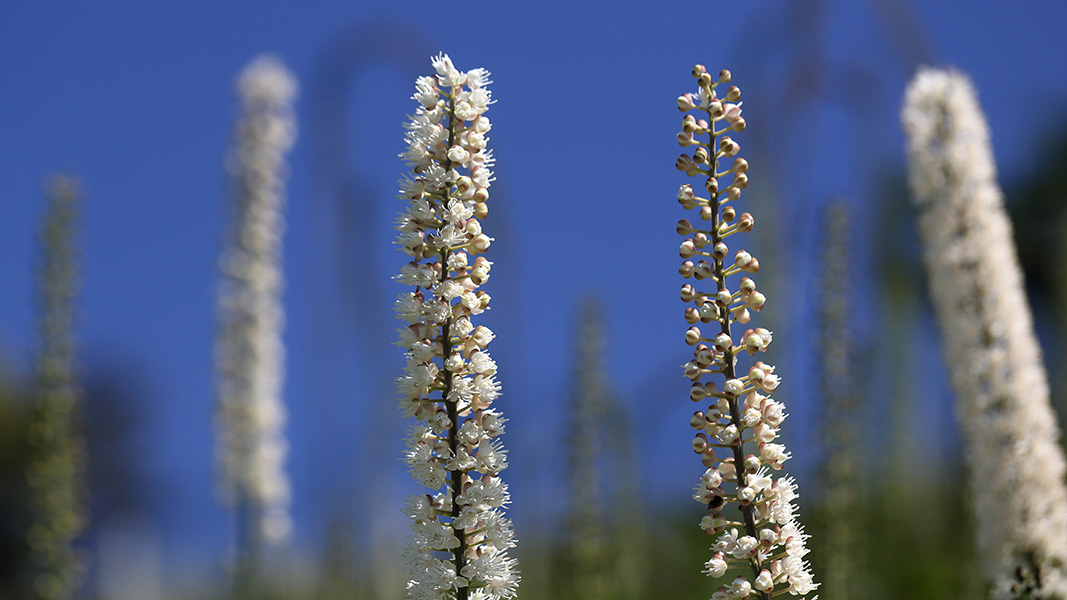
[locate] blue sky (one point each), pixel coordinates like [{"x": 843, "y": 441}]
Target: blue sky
[{"x": 136, "y": 99}]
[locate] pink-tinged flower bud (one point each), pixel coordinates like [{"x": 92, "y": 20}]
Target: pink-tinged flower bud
[
  {"x": 481, "y": 243},
  {"x": 684, "y": 163},
  {"x": 723, "y": 342},
  {"x": 741, "y": 315},
  {"x": 764, "y": 582},
  {"x": 742, "y": 258},
  {"x": 708, "y": 458},
  {"x": 685, "y": 102},
  {"x": 756, "y": 301},
  {"x": 688, "y": 293},
  {"x": 692, "y": 370},
  {"x": 745, "y": 223},
  {"x": 723, "y": 297},
  {"x": 692, "y": 316},
  {"x": 687, "y": 249},
  {"x": 698, "y": 421},
  {"x": 711, "y": 184},
  {"x": 752, "y": 463},
  {"x": 724, "y": 76},
  {"x": 740, "y": 165},
  {"x": 731, "y": 112},
  {"x": 747, "y": 285},
  {"x": 740, "y": 180},
  {"x": 753, "y": 267},
  {"x": 686, "y": 197},
  {"x": 715, "y": 109},
  {"x": 701, "y": 156},
  {"x": 704, "y": 355},
  {"x": 733, "y": 94},
  {"x": 686, "y": 269},
  {"x": 700, "y": 442},
  {"x": 700, "y": 239},
  {"x": 689, "y": 124},
  {"x": 739, "y": 124},
  {"x": 684, "y": 227},
  {"x": 707, "y": 213},
  {"x": 728, "y": 146},
  {"x": 696, "y": 394},
  {"x": 729, "y": 214},
  {"x": 698, "y": 70},
  {"x": 685, "y": 139},
  {"x": 732, "y": 194},
  {"x": 720, "y": 251},
  {"x": 692, "y": 336},
  {"x": 703, "y": 269},
  {"x": 704, "y": 80}
]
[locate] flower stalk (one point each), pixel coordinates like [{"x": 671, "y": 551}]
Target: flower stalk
[
  {"x": 764, "y": 541},
  {"x": 461, "y": 535},
  {"x": 57, "y": 470},
  {"x": 249, "y": 349},
  {"x": 1009, "y": 428}
]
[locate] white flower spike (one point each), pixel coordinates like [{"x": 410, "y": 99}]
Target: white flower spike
[{"x": 459, "y": 550}]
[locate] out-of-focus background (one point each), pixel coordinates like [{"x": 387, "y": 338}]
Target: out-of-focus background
[{"x": 137, "y": 101}]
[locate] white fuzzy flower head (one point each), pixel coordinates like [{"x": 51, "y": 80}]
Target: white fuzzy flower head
[
  {"x": 249, "y": 352},
  {"x": 450, "y": 381},
  {"x": 989, "y": 344},
  {"x": 738, "y": 422}
]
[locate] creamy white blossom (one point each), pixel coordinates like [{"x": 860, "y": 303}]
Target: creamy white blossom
[
  {"x": 1009, "y": 428},
  {"x": 459, "y": 548}
]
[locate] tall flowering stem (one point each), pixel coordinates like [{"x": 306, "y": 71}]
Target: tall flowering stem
[
  {"x": 57, "y": 471},
  {"x": 1009, "y": 428},
  {"x": 249, "y": 353},
  {"x": 761, "y": 541},
  {"x": 461, "y": 536}
]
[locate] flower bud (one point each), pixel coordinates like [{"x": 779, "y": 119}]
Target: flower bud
[
  {"x": 697, "y": 421},
  {"x": 684, "y": 227},
  {"x": 692, "y": 336},
  {"x": 696, "y": 394},
  {"x": 691, "y": 315},
  {"x": 720, "y": 251},
  {"x": 733, "y": 94},
  {"x": 686, "y": 270},
  {"x": 700, "y": 443},
  {"x": 685, "y": 102},
  {"x": 688, "y": 293},
  {"x": 729, "y": 214},
  {"x": 724, "y": 76}
]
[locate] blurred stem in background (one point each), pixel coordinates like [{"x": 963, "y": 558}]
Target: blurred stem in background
[
  {"x": 250, "y": 354},
  {"x": 604, "y": 542},
  {"x": 57, "y": 470},
  {"x": 837, "y": 550}
]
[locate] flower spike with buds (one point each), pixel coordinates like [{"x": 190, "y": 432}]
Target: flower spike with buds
[
  {"x": 759, "y": 541},
  {"x": 1009, "y": 427},
  {"x": 461, "y": 536}
]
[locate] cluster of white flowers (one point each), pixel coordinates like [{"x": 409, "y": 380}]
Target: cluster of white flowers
[
  {"x": 762, "y": 542},
  {"x": 249, "y": 354},
  {"x": 1012, "y": 449},
  {"x": 461, "y": 536}
]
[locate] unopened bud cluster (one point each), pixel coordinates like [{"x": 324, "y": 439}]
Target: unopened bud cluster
[
  {"x": 759, "y": 540},
  {"x": 461, "y": 536}
]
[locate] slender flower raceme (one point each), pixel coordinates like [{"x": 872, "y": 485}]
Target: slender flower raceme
[
  {"x": 249, "y": 353},
  {"x": 1010, "y": 431},
  {"x": 461, "y": 535},
  {"x": 751, "y": 513},
  {"x": 57, "y": 470}
]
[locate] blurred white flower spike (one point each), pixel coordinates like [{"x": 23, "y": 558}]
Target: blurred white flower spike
[
  {"x": 1002, "y": 395},
  {"x": 758, "y": 543},
  {"x": 461, "y": 535},
  {"x": 250, "y": 355}
]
